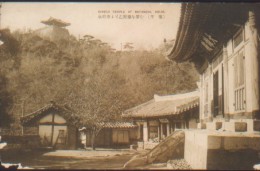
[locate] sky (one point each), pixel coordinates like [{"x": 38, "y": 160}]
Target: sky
[{"x": 160, "y": 20}]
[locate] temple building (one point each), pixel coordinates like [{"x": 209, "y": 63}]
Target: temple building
[
  {"x": 113, "y": 134},
  {"x": 54, "y": 29},
  {"x": 159, "y": 117},
  {"x": 55, "y": 126},
  {"x": 222, "y": 40}
]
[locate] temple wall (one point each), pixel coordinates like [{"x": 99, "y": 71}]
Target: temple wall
[
  {"x": 241, "y": 101},
  {"x": 53, "y": 33},
  {"x": 211, "y": 150}
]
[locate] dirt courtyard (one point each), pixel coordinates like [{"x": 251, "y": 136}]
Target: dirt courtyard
[{"x": 72, "y": 159}]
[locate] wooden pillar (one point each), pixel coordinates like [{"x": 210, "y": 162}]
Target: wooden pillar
[
  {"x": 145, "y": 131},
  {"x": 52, "y": 128},
  {"x": 226, "y": 100},
  {"x": 202, "y": 97},
  {"x": 254, "y": 54},
  {"x": 148, "y": 129},
  {"x": 159, "y": 130},
  {"x": 168, "y": 128},
  {"x": 172, "y": 126},
  {"x": 210, "y": 91}
]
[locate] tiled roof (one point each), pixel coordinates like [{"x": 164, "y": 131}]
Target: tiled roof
[
  {"x": 197, "y": 20},
  {"x": 34, "y": 116},
  {"x": 165, "y": 105},
  {"x": 115, "y": 124},
  {"x": 119, "y": 125}
]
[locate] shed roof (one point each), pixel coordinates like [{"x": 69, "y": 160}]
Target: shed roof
[
  {"x": 165, "y": 105},
  {"x": 36, "y": 115}
]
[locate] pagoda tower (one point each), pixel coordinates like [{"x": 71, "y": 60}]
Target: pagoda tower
[{"x": 55, "y": 29}]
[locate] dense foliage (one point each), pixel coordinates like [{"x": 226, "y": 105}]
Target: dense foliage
[{"x": 92, "y": 79}]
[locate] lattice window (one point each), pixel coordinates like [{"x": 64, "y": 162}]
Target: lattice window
[{"x": 239, "y": 81}]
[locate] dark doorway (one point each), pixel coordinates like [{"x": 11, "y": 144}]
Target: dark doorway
[
  {"x": 215, "y": 94},
  {"x": 164, "y": 129},
  {"x": 141, "y": 132}
]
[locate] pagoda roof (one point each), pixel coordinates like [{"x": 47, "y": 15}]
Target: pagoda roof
[
  {"x": 56, "y": 22},
  {"x": 205, "y": 27}
]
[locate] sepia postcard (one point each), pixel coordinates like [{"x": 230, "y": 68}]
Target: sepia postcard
[{"x": 129, "y": 86}]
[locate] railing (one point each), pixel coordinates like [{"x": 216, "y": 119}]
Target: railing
[{"x": 240, "y": 98}]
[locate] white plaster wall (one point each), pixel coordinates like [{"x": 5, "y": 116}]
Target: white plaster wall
[
  {"x": 56, "y": 132},
  {"x": 47, "y": 118},
  {"x": 59, "y": 119},
  {"x": 195, "y": 149},
  {"x": 45, "y": 131}
]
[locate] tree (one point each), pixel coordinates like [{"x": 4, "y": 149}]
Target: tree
[
  {"x": 8, "y": 62},
  {"x": 100, "y": 99},
  {"x": 88, "y": 76}
]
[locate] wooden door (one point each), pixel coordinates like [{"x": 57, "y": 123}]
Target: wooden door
[{"x": 141, "y": 132}]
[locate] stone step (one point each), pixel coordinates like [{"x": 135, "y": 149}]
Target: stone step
[{"x": 171, "y": 147}]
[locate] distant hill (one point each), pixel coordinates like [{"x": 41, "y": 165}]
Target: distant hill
[{"x": 65, "y": 71}]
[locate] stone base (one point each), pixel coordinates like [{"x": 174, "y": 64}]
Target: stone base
[
  {"x": 214, "y": 125},
  {"x": 146, "y": 145},
  {"x": 206, "y": 149},
  {"x": 233, "y": 125},
  {"x": 201, "y": 125}
]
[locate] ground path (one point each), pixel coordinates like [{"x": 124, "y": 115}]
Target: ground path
[
  {"x": 101, "y": 158},
  {"x": 72, "y": 159}
]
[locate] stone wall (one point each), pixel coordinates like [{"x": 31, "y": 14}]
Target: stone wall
[
  {"x": 195, "y": 152},
  {"x": 31, "y": 130},
  {"x": 22, "y": 142},
  {"x": 206, "y": 149}
]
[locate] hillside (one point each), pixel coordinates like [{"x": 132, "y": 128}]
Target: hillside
[{"x": 83, "y": 75}]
